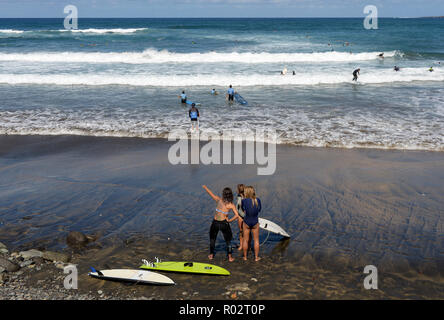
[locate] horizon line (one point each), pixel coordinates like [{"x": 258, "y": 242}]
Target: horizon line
[{"x": 346, "y": 17}]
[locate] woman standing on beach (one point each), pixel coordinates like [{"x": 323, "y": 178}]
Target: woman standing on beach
[
  {"x": 251, "y": 206},
  {"x": 221, "y": 221},
  {"x": 240, "y": 222}
]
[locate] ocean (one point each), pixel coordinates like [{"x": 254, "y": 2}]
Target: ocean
[{"x": 121, "y": 78}]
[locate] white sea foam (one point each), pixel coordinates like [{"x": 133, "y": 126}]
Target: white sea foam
[
  {"x": 164, "y": 56},
  {"x": 413, "y": 136},
  {"x": 90, "y": 30},
  {"x": 102, "y": 31},
  {"x": 11, "y": 31},
  {"x": 371, "y": 77}
]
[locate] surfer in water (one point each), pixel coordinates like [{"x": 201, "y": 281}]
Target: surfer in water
[
  {"x": 214, "y": 92},
  {"x": 240, "y": 222},
  {"x": 431, "y": 69},
  {"x": 381, "y": 55},
  {"x": 251, "y": 205},
  {"x": 183, "y": 97},
  {"x": 230, "y": 93},
  {"x": 355, "y": 74},
  {"x": 193, "y": 113},
  {"x": 396, "y": 68},
  {"x": 221, "y": 221}
]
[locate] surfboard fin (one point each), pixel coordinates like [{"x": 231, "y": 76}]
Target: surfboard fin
[{"x": 98, "y": 271}]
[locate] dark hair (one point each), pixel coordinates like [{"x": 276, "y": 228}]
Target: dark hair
[
  {"x": 183, "y": 91},
  {"x": 193, "y": 104},
  {"x": 240, "y": 189},
  {"x": 227, "y": 195},
  {"x": 230, "y": 86}
]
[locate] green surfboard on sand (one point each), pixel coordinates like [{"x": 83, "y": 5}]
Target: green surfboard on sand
[{"x": 186, "y": 267}]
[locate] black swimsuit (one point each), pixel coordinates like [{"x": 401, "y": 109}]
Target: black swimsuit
[{"x": 223, "y": 226}]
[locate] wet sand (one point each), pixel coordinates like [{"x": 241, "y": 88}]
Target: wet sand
[{"x": 344, "y": 209}]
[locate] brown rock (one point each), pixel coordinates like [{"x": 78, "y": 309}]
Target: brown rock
[
  {"x": 8, "y": 265},
  {"x": 55, "y": 256},
  {"x": 76, "y": 238}
]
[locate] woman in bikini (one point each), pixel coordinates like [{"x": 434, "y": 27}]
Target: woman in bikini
[
  {"x": 221, "y": 221},
  {"x": 251, "y": 206}
]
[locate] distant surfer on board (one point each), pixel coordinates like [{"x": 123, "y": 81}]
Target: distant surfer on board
[
  {"x": 221, "y": 221},
  {"x": 193, "y": 113},
  {"x": 381, "y": 55},
  {"x": 355, "y": 74},
  {"x": 251, "y": 205},
  {"x": 230, "y": 93},
  {"x": 183, "y": 97},
  {"x": 396, "y": 68}
]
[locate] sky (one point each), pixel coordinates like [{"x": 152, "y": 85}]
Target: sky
[{"x": 219, "y": 8}]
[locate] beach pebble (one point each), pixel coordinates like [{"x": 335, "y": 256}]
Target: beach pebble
[
  {"x": 233, "y": 295},
  {"x": 254, "y": 279},
  {"x": 55, "y": 256},
  {"x": 2, "y": 246},
  {"x": 2, "y": 269},
  {"x": 26, "y": 263},
  {"x": 60, "y": 266},
  {"x": 8, "y": 265},
  {"x": 4, "y": 250},
  {"x": 29, "y": 254},
  {"x": 100, "y": 292},
  {"x": 38, "y": 260},
  {"x": 238, "y": 287}
]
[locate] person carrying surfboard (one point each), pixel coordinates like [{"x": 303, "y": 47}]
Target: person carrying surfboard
[
  {"x": 251, "y": 205},
  {"x": 230, "y": 93},
  {"x": 240, "y": 222},
  {"x": 183, "y": 97},
  {"x": 193, "y": 113},
  {"x": 221, "y": 221}
]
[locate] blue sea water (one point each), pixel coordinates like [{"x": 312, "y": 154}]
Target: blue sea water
[{"x": 121, "y": 77}]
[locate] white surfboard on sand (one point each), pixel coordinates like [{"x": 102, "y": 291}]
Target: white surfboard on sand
[
  {"x": 272, "y": 227},
  {"x": 131, "y": 275}
]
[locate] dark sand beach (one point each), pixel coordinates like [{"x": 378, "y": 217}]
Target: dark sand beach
[{"x": 344, "y": 209}]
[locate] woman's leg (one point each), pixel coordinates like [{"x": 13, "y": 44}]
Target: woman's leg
[
  {"x": 214, "y": 229},
  {"x": 255, "y": 231},
  {"x": 246, "y": 234},
  {"x": 228, "y": 236},
  {"x": 240, "y": 222}
]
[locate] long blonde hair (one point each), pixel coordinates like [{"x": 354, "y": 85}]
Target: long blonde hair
[{"x": 249, "y": 192}]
